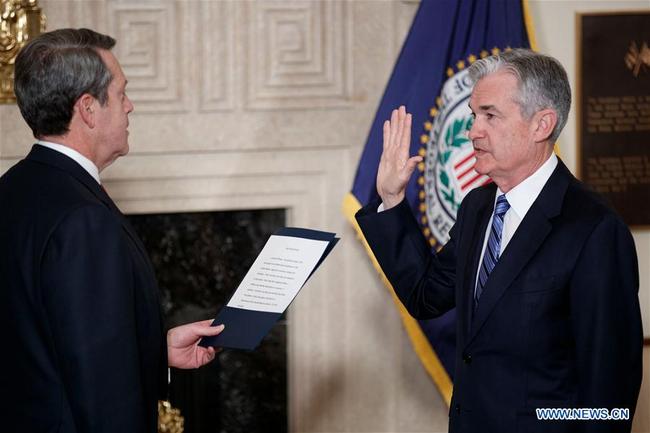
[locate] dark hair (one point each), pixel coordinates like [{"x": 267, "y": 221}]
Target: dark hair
[
  {"x": 543, "y": 82},
  {"x": 53, "y": 71}
]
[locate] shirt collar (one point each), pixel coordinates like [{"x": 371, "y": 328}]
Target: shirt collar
[
  {"x": 522, "y": 196},
  {"x": 84, "y": 162}
]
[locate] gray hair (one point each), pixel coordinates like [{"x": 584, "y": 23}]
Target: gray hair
[
  {"x": 53, "y": 71},
  {"x": 543, "y": 82}
]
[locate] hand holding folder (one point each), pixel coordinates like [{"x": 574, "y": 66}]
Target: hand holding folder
[{"x": 289, "y": 258}]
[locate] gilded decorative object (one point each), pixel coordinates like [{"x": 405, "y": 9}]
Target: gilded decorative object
[
  {"x": 637, "y": 58},
  {"x": 20, "y": 21},
  {"x": 170, "y": 419}
]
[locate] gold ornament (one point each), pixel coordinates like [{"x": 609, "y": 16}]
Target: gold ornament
[
  {"x": 20, "y": 21},
  {"x": 170, "y": 419}
]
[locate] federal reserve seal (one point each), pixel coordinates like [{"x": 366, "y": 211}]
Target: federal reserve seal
[{"x": 448, "y": 171}]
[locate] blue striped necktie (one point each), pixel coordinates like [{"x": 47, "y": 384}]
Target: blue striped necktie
[{"x": 491, "y": 255}]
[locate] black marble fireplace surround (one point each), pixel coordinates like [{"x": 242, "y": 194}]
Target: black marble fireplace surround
[{"x": 199, "y": 259}]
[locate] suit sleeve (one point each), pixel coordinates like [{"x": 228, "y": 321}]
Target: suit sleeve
[
  {"x": 424, "y": 282},
  {"x": 87, "y": 284},
  {"x": 607, "y": 323}
]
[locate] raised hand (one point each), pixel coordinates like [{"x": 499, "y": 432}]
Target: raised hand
[
  {"x": 395, "y": 166},
  {"x": 183, "y": 350}
]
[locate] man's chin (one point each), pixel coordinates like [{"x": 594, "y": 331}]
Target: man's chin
[{"x": 481, "y": 168}]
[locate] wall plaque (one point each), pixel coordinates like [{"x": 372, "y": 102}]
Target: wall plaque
[{"x": 614, "y": 110}]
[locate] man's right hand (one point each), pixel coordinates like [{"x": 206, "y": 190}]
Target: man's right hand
[{"x": 395, "y": 166}]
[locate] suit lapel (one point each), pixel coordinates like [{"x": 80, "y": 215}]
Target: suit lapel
[
  {"x": 128, "y": 228},
  {"x": 528, "y": 238}
]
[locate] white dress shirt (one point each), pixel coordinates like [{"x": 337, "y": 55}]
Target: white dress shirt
[
  {"x": 521, "y": 198},
  {"x": 84, "y": 162}
]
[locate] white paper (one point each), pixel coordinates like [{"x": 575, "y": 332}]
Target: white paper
[{"x": 278, "y": 273}]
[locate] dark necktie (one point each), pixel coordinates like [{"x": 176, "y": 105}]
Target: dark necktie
[{"x": 491, "y": 255}]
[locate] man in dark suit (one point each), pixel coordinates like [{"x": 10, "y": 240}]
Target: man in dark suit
[
  {"x": 543, "y": 275},
  {"x": 84, "y": 344}
]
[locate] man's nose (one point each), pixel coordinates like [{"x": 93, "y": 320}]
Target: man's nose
[
  {"x": 129, "y": 105},
  {"x": 473, "y": 132}
]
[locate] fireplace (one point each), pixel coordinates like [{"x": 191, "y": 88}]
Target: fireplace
[{"x": 199, "y": 259}]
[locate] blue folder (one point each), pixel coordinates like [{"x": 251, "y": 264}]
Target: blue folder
[{"x": 245, "y": 329}]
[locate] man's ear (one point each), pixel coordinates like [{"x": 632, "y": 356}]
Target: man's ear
[
  {"x": 85, "y": 108},
  {"x": 544, "y": 122}
]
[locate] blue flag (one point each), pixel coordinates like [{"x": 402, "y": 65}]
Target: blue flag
[{"x": 430, "y": 78}]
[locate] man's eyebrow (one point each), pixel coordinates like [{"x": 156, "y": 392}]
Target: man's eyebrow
[
  {"x": 487, "y": 107},
  {"x": 483, "y": 108}
]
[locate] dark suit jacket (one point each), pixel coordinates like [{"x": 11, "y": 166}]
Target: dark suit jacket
[
  {"x": 558, "y": 323},
  {"x": 83, "y": 343}
]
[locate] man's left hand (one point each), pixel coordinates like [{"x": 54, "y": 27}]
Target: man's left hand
[{"x": 183, "y": 350}]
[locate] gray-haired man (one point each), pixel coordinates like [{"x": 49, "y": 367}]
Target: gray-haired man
[{"x": 543, "y": 275}]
